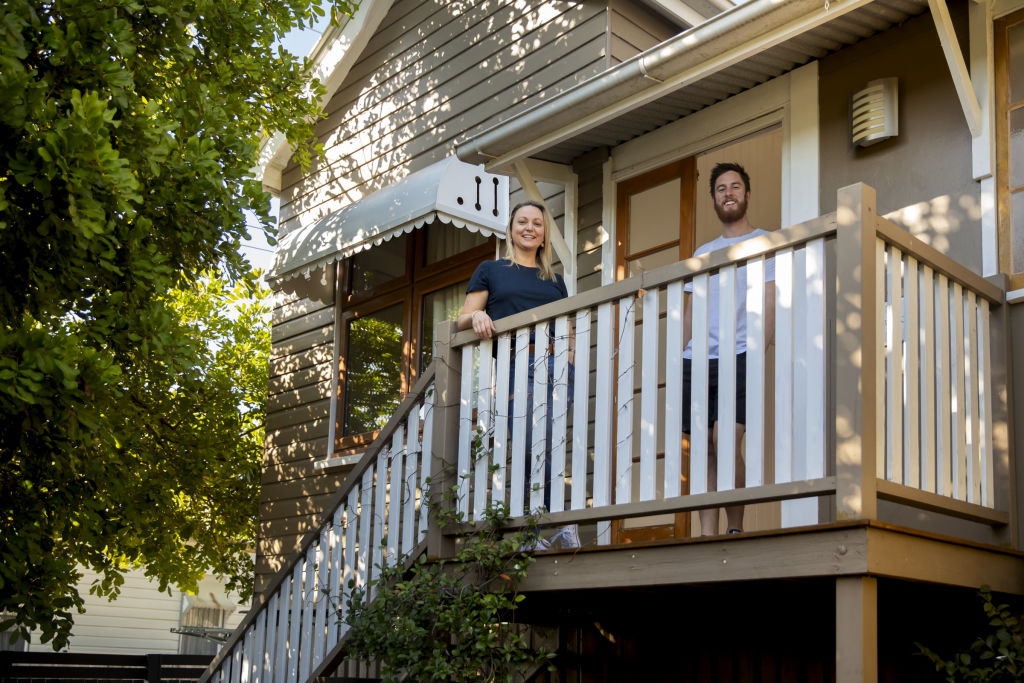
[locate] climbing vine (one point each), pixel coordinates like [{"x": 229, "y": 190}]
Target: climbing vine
[{"x": 450, "y": 620}]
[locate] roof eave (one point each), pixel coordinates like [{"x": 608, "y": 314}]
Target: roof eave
[
  {"x": 332, "y": 57},
  {"x": 686, "y": 58}
]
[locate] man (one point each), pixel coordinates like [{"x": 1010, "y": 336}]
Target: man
[{"x": 730, "y": 191}]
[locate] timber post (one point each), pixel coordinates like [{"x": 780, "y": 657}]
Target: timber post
[
  {"x": 859, "y": 425},
  {"x": 447, "y": 384}
]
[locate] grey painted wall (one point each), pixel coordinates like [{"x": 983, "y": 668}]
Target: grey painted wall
[{"x": 925, "y": 172}]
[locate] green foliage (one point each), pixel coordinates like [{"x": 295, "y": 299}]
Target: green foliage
[
  {"x": 995, "y": 656},
  {"x": 373, "y": 375},
  {"x": 129, "y": 408},
  {"x": 449, "y": 620}
]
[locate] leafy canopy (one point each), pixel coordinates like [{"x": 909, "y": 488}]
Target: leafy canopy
[{"x": 130, "y": 403}]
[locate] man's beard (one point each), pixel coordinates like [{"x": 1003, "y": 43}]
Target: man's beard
[{"x": 732, "y": 214}]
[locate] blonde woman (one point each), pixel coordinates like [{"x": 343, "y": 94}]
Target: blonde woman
[{"x": 520, "y": 281}]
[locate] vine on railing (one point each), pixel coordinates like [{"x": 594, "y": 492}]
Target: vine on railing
[{"x": 452, "y": 619}]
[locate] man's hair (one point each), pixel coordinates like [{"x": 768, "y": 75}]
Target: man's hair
[{"x": 725, "y": 167}]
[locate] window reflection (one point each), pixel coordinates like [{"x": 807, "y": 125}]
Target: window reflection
[
  {"x": 444, "y": 304},
  {"x": 373, "y": 377}
]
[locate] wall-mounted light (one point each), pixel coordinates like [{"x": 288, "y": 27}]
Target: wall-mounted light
[{"x": 874, "y": 112}]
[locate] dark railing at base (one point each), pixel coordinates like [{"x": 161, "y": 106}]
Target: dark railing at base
[{"x": 42, "y": 667}]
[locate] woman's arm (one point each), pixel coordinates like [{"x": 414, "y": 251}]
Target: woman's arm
[{"x": 474, "y": 316}]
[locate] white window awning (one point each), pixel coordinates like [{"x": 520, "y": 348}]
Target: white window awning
[{"x": 450, "y": 191}]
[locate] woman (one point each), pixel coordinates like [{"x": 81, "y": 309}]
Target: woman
[{"x": 522, "y": 280}]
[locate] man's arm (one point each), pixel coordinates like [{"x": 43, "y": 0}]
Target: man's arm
[{"x": 769, "y": 313}]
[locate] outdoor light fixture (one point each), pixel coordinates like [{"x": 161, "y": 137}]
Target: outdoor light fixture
[{"x": 874, "y": 112}]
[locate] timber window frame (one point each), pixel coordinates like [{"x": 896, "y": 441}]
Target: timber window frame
[
  {"x": 408, "y": 290},
  {"x": 1009, "y": 230}
]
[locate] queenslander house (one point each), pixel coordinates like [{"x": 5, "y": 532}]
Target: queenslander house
[{"x": 881, "y": 475}]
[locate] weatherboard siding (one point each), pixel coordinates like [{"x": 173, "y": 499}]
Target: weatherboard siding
[
  {"x": 633, "y": 28},
  {"x": 432, "y": 74},
  {"x": 298, "y": 409}
]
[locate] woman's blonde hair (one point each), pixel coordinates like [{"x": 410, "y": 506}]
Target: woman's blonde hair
[{"x": 543, "y": 251}]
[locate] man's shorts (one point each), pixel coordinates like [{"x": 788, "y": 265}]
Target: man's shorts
[{"x": 741, "y": 391}]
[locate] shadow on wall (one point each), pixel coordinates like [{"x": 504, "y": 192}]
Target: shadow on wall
[{"x": 947, "y": 223}]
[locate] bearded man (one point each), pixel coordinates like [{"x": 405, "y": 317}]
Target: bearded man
[{"x": 730, "y": 191}]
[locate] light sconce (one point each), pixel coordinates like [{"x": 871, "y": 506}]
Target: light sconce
[{"x": 874, "y": 112}]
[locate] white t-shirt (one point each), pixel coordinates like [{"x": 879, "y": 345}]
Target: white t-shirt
[{"x": 741, "y": 296}]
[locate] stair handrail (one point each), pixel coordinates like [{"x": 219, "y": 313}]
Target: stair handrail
[{"x": 260, "y": 603}]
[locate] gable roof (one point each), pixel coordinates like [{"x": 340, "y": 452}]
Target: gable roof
[{"x": 333, "y": 56}]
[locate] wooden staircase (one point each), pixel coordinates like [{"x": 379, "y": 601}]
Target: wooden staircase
[{"x": 296, "y": 631}]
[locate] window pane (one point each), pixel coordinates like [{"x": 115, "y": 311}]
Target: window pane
[
  {"x": 444, "y": 240},
  {"x": 654, "y": 216},
  {"x": 1015, "y": 36},
  {"x": 1017, "y": 233},
  {"x": 444, "y": 304},
  {"x": 1017, "y": 148},
  {"x": 379, "y": 264},
  {"x": 373, "y": 376}
]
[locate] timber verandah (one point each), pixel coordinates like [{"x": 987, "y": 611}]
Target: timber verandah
[{"x": 889, "y": 393}]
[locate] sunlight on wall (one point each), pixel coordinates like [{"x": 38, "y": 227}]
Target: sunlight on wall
[{"x": 935, "y": 222}]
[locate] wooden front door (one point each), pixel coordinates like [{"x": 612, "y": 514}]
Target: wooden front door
[{"x": 655, "y": 220}]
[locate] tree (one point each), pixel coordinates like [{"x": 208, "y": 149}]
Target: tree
[
  {"x": 127, "y": 138},
  {"x": 998, "y": 655}
]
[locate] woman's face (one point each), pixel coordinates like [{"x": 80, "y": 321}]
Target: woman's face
[{"x": 528, "y": 228}]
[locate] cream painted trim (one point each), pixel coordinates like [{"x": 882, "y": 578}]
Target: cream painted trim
[
  {"x": 679, "y": 10},
  {"x": 1000, "y": 8},
  {"x": 608, "y": 199},
  {"x": 957, "y": 66},
  {"x": 982, "y": 56},
  {"x": 333, "y": 57},
  {"x": 989, "y": 226},
  {"x": 801, "y": 141},
  {"x": 1015, "y": 297}
]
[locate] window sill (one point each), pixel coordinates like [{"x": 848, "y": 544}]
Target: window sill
[{"x": 336, "y": 462}]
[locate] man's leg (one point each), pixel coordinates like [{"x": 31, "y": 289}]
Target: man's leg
[
  {"x": 734, "y": 513},
  {"x": 709, "y": 516}
]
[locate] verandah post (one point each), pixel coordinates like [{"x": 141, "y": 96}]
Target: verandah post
[
  {"x": 859, "y": 429},
  {"x": 445, "y": 446},
  {"x": 1006, "y": 476},
  {"x": 856, "y": 629}
]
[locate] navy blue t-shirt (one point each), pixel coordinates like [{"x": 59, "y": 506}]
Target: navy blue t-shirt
[{"x": 512, "y": 288}]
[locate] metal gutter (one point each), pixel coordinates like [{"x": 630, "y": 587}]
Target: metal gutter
[{"x": 720, "y": 42}]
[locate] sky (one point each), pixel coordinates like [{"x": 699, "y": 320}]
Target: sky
[{"x": 255, "y": 249}]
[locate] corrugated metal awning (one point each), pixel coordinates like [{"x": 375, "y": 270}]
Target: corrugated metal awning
[{"x": 449, "y": 191}]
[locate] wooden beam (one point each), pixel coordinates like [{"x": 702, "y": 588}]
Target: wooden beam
[
  {"x": 811, "y": 552},
  {"x": 856, "y": 629},
  {"x": 933, "y": 502},
  {"x": 957, "y": 65},
  {"x": 920, "y": 556},
  {"x": 700, "y": 501}
]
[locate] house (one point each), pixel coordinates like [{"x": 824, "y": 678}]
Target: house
[
  {"x": 881, "y": 480},
  {"x": 144, "y": 620}
]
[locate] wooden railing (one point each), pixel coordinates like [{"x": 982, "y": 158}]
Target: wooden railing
[
  {"x": 296, "y": 630},
  {"x": 843, "y": 403},
  {"x": 885, "y": 380}
]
